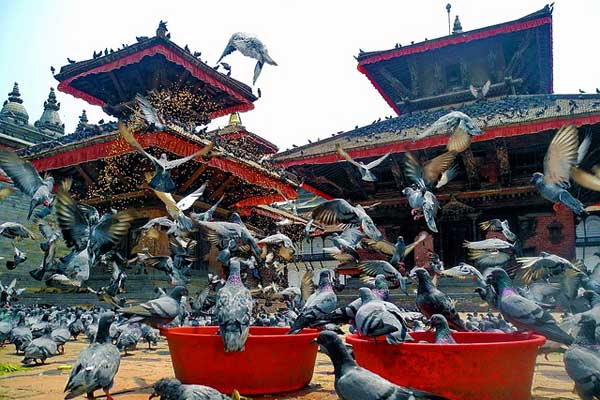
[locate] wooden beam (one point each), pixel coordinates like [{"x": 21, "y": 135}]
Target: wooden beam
[
  {"x": 117, "y": 85},
  {"x": 114, "y": 197},
  {"x": 193, "y": 177},
  {"x": 88, "y": 180},
  {"x": 221, "y": 189},
  {"x": 394, "y": 82}
]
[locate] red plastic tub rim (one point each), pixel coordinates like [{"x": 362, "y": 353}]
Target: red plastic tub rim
[{"x": 266, "y": 332}]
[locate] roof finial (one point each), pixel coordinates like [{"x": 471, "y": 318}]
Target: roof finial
[
  {"x": 457, "y": 26},
  {"x": 15, "y": 95},
  {"x": 51, "y": 103},
  {"x": 83, "y": 121},
  {"x": 234, "y": 119},
  {"x": 161, "y": 31},
  {"x": 448, "y": 8},
  {"x": 50, "y": 120}
]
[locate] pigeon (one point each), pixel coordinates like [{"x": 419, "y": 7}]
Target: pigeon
[
  {"x": 496, "y": 225},
  {"x": 442, "y": 332},
  {"x": 161, "y": 181},
  {"x": 345, "y": 245},
  {"x": 250, "y": 46},
  {"x": 173, "y": 389},
  {"x": 96, "y": 365},
  {"x": 428, "y": 175},
  {"x": 157, "y": 312},
  {"x": 13, "y": 230},
  {"x": 128, "y": 338},
  {"x": 353, "y": 382},
  {"x": 480, "y": 93},
  {"x": 459, "y": 126},
  {"x": 233, "y": 310},
  {"x": 40, "y": 348},
  {"x": 431, "y": 300},
  {"x": 364, "y": 169},
  {"x": 71, "y": 61},
  {"x": 376, "y": 267},
  {"x": 27, "y": 180},
  {"x": 208, "y": 214},
  {"x": 582, "y": 360},
  {"x": 534, "y": 268},
  {"x": 19, "y": 257},
  {"x": 317, "y": 307},
  {"x": 176, "y": 209},
  {"x": 522, "y": 312},
  {"x": 378, "y": 318},
  {"x": 339, "y": 211},
  {"x": 560, "y": 165},
  {"x": 220, "y": 233},
  {"x": 397, "y": 251},
  {"x": 21, "y": 334}
]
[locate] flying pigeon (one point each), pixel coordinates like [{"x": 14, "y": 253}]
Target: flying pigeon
[
  {"x": 176, "y": 209},
  {"x": 357, "y": 383},
  {"x": 378, "y": 318},
  {"x": 250, "y": 46},
  {"x": 19, "y": 257},
  {"x": 233, "y": 310},
  {"x": 339, "y": 211},
  {"x": 442, "y": 332},
  {"x": 533, "y": 268},
  {"x": 376, "y": 267},
  {"x": 208, "y": 214},
  {"x": 14, "y": 230},
  {"x": 459, "y": 126},
  {"x": 364, "y": 169},
  {"x": 157, "y": 312},
  {"x": 317, "y": 307},
  {"x": 431, "y": 300},
  {"x": 397, "y": 251},
  {"x": 161, "y": 181},
  {"x": 96, "y": 365},
  {"x": 524, "y": 313},
  {"x": 497, "y": 225},
  {"x": 27, "y": 180}
]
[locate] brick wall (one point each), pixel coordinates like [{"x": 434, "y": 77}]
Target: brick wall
[{"x": 541, "y": 239}]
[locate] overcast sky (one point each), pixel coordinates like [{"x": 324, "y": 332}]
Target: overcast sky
[{"x": 316, "y": 90}]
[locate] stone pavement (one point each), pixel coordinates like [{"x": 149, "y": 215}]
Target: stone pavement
[{"x": 143, "y": 367}]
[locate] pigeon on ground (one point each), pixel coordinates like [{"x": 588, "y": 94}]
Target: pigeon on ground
[
  {"x": 26, "y": 178},
  {"x": 497, "y": 225},
  {"x": 459, "y": 126},
  {"x": 14, "y": 230},
  {"x": 128, "y": 338},
  {"x": 41, "y": 348},
  {"x": 560, "y": 165},
  {"x": 339, "y": 211},
  {"x": 173, "y": 389},
  {"x": 364, "y": 169},
  {"x": 250, "y": 46},
  {"x": 442, "y": 332},
  {"x": 233, "y": 310},
  {"x": 582, "y": 360},
  {"x": 317, "y": 307},
  {"x": 379, "y": 318},
  {"x": 161, "y": 180},
  {"x": 431, "y": 300},
  {"x": 357, "y": 383},
  {"x": 21, "y": 335},
  {"x": 96, "y": 365},
  {"x": 157, "y": 312},
  {"x": 525, "y": 314}
]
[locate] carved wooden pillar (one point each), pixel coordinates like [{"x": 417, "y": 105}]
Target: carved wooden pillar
[
  {"x": 471, "y": 167},
  {"x": 503, "y": 162},
  {"x": 414, "y": 78}
]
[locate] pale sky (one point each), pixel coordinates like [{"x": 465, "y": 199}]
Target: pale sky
[{"x": 315, "y": 91}]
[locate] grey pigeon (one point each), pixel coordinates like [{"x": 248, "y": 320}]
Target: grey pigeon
[
  {"x": 345, "y": 245},
  {"x": 173, "y": 389},
  {"x": 533, "y": 268},
  {"x": 459, "y": 126},
  {"x": 233, "y": 310},
  {"x": 14, "y": 230},
  {"x": 522, "y": 312},
  {"x": 26, "y": 178},
  {"x": 497, "y": 225},
  {"x": 208, "y": 214},
  {"x": 319, "y": 305},
  {"x": 582, "y": 360},
  {"x": 376, "y": 267},
  {"x": 442, "y": 332},
  {"x": 357, "y": 383},
  {"x": 19, "y": 257},
  {"x": 41, "y": 348},
  {"x": 21, "y": 335},
  {"x": 250, "y": 46},
  {"x": 364, "y": 169},
  {"x": 379, "y": 318},
  {"x": 430, "y": 300},
  {"x": 96, "y": 365},
  {"x": 339, "y": 211},
  {"x": 157, "y": 312}
]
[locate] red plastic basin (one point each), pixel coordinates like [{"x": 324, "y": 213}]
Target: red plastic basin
[
  {"x": 481, "y": 366},
  {"x": 273, "y": 362}
]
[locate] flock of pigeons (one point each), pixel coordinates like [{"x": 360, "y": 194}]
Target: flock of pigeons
[{"x": 522, "y": 289}]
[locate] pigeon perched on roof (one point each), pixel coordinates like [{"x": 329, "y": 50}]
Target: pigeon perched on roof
[
  {"x": 379, "y": 318},
  {"x": 353, "y": 382},
  {"x": 560, "y": 165},
  {"x": 524, "y": 313},
  {"x": 173, "y": 389},
  {"x": 157, "y": 312},
  {"x": 442, "y": 332},
  {"x": 161, "y": 180},
  {"x": 430, "y": 300},
  {"x": 96, "y": 365},
  {"x": 364, "y": 169},
  {"x": 582, "y": 360},
  {"x": 26, "y": 178},
  {"x": 233, "y": 310},
  {"x": 339, "y": 211},
  {"x": 250, "y": 46},
  {"x": 318, "y": 305}
]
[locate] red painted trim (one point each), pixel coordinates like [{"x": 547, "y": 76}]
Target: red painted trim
[
  {"x": 448, "y": 41},
  {"x": 258, "y": 200},
  {"x": 65, "y": 86},
  {"x": 164, "y": 141},
  {"x": 257, "y": 139},
  {"x": 441, "y": 140},
  {"x": 316, "y": 191}
]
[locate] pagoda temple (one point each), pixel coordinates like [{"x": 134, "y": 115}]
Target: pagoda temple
[
  {"x": 502, "y": 77},
  {"x": 109, "y": 173}
]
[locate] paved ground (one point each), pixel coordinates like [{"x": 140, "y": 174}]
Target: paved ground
[{"x": 139, "y": 370}]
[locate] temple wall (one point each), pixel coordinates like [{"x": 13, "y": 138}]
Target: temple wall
[{"x": 563, "y": 244}]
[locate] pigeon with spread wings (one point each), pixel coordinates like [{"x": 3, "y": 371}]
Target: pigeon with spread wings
[
  {"x": 176, "y": 209},
  {"x": 364, "y": 169},
  {"x": 250, "y": 46},
  {"x": 339, "y": 211},
  {"x": 161, "y": 180},
  {"x": 459, "y": 126}
]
